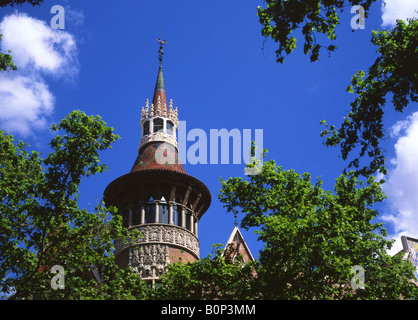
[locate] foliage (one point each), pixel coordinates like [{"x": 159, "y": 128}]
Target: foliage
[
  {"x": 280, "y": 18},
  {"x": 314, "y": 237},
  {"x": 212, "y": 277},
  {"x": 393, "y": 74},
  {"x": 41, "y": 224},
  {"x": 6, "y": 61},
  {"x": 4, "y": 3}
]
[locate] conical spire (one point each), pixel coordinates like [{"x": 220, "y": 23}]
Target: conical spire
[
  {"x": 160, "y": 80},
  {"x": 159, "y": 92},
  {"x": 158, "y": 145}
]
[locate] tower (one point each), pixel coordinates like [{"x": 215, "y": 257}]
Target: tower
[{"x": 157, "y": 196}]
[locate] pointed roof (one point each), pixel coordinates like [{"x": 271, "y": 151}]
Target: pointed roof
[
  {"x": 239, "y": 246},
  {"x": 159, "y": 91},
  {"x": 158, "y": 154},
  {"x": 151, "y": 157}
]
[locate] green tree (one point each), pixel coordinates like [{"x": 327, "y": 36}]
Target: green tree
[
  {"x": 393, "y": 75},
  {"x": 6, "y": 61},
  {"x": 314, "y": 18},
  {"x": 314, "y": 237},
  {"x": 41, "y": 224},
  {"x": 213, "y": 277}
]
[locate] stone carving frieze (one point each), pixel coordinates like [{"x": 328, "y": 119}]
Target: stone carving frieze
[
  {"x": 150, "y": 261},
  {"x": 158, "y": 136},
  {"x": 164, "y": 234}
]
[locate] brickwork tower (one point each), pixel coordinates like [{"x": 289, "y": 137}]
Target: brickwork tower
[{"x": 157, "y": 196}]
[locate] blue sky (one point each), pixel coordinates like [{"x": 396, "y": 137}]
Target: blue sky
[{"x": 220, "y": 73}]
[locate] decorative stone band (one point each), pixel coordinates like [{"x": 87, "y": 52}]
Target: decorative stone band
[
  {"x": 162, "y": 234},
  {"x": 150, "y": 262},
  {"x": 158, "y": 136}
]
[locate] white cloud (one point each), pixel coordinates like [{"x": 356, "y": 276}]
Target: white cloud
[
  {"x": 34, "y": 44},
  {"x": 37, "y": 50},
  {"x": 401, "y": 184},
  {"x": 398, "y": 9},
  {"x": 24, "y": 104}
]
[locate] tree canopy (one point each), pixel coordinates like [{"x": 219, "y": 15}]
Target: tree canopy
[
  {"x": 12, "y": 3},
  {"x": 215, "y": 277},
  {"x": 41, "y": 224},
  {"x": 6, "y": 60},
  {"x": 394, "y": 76},
  {"x": 280, "y": 18},
  {"x": 313, "y": 237}
]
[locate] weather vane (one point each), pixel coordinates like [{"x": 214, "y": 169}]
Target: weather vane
[{"x": 162, "y": 42}]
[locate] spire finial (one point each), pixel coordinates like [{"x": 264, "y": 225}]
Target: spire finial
[{"x": 162, "y": 42}]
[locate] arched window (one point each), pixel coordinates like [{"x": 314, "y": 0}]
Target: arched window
[
  {"x": 177, "y": 209},
  {"x": 136, "y": 215},
  {"x": 163, "y": 213},
  {"x": 146, "y": 128},
  {"x": 188, "y": 219},
  {"x": 169, "y": 126},
  {"x": 150, "y": 212},
  {"x": 158, "y": 124}
]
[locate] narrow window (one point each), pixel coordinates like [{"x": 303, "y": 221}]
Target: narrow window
[
  {"x": 175, "y": 215},
  {"x": 136, "y": 215},
  {"x": 146, "y": 128},
  {"x": 177, "y": 209},
  {"x": 150, "y": 213},
  {"x": 169, "y": 126},
  {"x": 163, "y": 213},
  {"x": 158, "y": 124},
  {"x": 188, "y": 219}
]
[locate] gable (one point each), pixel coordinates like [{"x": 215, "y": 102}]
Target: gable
[{"x": 237, "y": 245}]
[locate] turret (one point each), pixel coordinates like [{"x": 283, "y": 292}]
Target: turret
[{"x": 157, "y": 196}]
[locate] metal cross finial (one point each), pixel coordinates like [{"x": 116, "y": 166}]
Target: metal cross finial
[{"x": 162, "y": 42}]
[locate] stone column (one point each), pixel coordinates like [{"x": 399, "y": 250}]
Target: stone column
[
  {"x": 170, "y": 213},
  {"x": 183, "y": 217},
  {"x": 130, "y": 217},
  {"x": 191, "y": 223},
  {"x": 142, "y": 212},
  {"x": 157, "y": 211},
  {"x": 195, "y": 226}
]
